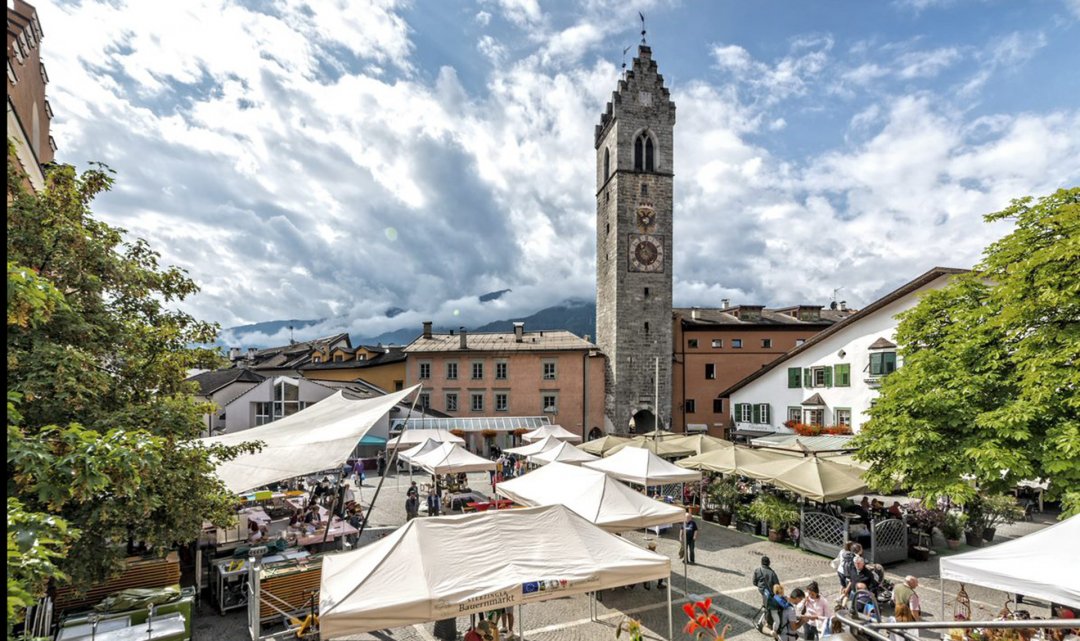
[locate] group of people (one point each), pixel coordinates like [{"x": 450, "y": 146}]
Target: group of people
[
  {"x": 434, "y": 500},
  {"x": 507, "y": 466}
]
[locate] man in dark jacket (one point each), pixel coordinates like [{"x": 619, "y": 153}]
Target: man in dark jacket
[{"x": 764, "y": 579}]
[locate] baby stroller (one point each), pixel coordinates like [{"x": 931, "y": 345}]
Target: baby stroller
[{"x": 879, "y": 585}]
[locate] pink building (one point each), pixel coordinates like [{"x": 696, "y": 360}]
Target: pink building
[{"x": 491, "y": 374}]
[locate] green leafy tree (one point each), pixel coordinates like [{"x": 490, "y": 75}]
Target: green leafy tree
[
  {"x": 989, "y": 391},
  {"x": 101, "y": 424}
]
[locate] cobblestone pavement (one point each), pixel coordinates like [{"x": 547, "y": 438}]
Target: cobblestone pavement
[{"x": 726, "y": 561}]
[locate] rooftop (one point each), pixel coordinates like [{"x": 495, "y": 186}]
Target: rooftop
[
  {"x": 211, "y": 381},
  {"x": 538, "y": 341},
  {"x": 749, "y": 315}
]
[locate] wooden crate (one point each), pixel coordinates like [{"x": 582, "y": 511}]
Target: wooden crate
[
  {"x": 138, "y": 573},
  {"x": 292, "y": 585}
]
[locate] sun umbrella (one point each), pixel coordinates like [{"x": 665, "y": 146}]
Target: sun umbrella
[
  {"x": 637, "y": 465},
  {"x": 558, "y": 431},
  {"x": 658, "y": 433},
  {"x": 667, "y": 447},
  {"x": 600, "y": 446},
  {"x": 564, "y": 453},
  {"x": 815, "y": 478},
  {"x": 729, "y": 460}
]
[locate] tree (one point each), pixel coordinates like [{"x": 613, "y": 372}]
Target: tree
[
  {"x": 989, "y": 390},
  {"x": 101, "y": 424}
]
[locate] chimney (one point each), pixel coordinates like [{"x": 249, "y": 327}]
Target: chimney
[
  {"x": 234, "y": 353},
  {"x": 519, "y": 331},
  {"x": 427, "y": 329},
  {"x": 463, "y": 343},
  {"x": 725, "y": 303},
  {"x": 251, "y": 354},
  {"x": 843, "y": 305},
  {"x": 587, "y": 338},
  {"x": 694, "y": 313}
]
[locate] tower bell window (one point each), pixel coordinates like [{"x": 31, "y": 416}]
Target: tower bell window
[
  {"x": 644, "y": 157},
  {"x": 607, "y": 164}
]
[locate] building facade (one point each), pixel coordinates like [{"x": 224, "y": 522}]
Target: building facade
[
  {"x": 832, "y": 379},
  {"x": 28, "y": 111},
  {"x": 524, "y": 373},
  {"x": 634, "y": 179},
  {"x": 381, "y": 366},
  {"x": 717, "y": 347}
]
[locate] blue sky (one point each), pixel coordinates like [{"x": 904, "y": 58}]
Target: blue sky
[{"x": 338, "y": 159}]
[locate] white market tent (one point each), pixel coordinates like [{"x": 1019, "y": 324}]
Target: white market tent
[
  {"x": 408, "y": 438},
  {"x": 320, "y": 437},
  {"x": 451, "y": 458},
  {"x": 536, "y": 447},
  {"x": 443, "y": 567},
  {"x": 637, "y": 465},
  {"x": 1043, "y": 565},
  {"x": 558, "y": 431},
  {"x": 417, "y": 450},
  {"x": 597, "y": 497},
  {"x": 564, "y": 453}
]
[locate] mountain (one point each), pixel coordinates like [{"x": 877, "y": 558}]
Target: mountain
[{"x": 577, "y": 316}]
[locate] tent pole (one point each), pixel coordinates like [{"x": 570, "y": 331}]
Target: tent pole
[
  {"x": 670, "y": 628},
  {"x": 390, "y": 461}
]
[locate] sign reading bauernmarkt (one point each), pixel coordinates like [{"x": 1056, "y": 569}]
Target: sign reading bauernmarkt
[{"x": 530, "y": 591}]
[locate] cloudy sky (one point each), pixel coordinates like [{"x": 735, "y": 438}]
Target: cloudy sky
[{"x": 338, "y": 159}]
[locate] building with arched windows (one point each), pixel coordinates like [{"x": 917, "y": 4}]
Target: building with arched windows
[{"x": 28, "y": 112}]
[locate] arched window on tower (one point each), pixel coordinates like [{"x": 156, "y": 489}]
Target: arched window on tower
[
  {"x": 607, "y": 164},
  {"x": 644, "y": 156}
]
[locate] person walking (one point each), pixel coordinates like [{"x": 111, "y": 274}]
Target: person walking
[
  {"x": 358, "y": 472},
  {"x": 791, "y": 622},
  {"x": 412, "y": 507},
  {"x": 764, "y": 579},
  {"x": 433, "y": 500},
  {"x": 689, "y": 537},
  {"x": 905, "y": 596},
  {"x": 381, "y": 462}
]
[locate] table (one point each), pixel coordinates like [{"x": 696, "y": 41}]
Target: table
[
  {"x": 483, "y": 506},
  {"x": 256, "y": 514},
  {"x": 337, "y": 529}
]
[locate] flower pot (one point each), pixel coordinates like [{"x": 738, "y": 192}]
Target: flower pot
[
  {"x": 919, "y": 553},
  {"x": 775, "y": 536},
  {"x": 988, "y": 534},
  {"x": 750, "y": 527},
  {"x": 694, "y": 509},
  {"x": 953, "y": 543},
  {"x": 723, "y": 518},
  {"x": 973, "y": 539}
]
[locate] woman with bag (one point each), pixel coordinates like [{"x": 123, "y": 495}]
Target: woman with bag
[{"x": 818, "y": 612}]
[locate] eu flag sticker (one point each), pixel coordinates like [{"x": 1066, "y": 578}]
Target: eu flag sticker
[{"x": 530, "y": 587}]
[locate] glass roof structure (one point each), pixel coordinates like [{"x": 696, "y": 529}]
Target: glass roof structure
[{"x": 471, "y": 424}]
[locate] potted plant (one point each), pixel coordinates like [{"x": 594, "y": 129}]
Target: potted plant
[
  {"x": 724, "y": 493},
  {"x": 998, "y": 509},
  {"x": 952, "y": 528},
  {"x": 777, "y": 514},
  {"x": 744, "y": 520}
]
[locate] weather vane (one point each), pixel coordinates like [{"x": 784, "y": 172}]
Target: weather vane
[
  {"x": 625, "y": 49},
  {"x": 642, "y": 16}
]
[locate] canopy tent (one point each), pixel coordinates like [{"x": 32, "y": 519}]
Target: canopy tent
[
  {"x": 599, "y": 446},
  {"x": 636, "y": 465},
  {"x": 815, "y": 478},
  {"x": 672, "y": 447},
  {"x": 564, "y": 453},
  {"x": 1042, "y": 565},
  {"x": 597, "y": 497},
  {"x": 558, "y": 431},
  {"x": 730, "y": 460},
  {"x": 419, "y": 572},
  {"x": 418, "y": 450},
  {"x": 408, "y": 438},
  {"x": 658, "y": 433},
  {"x": 451, "y": 458},
  {"x": 320, "y": 437},
  {"x": 543, "y": 444}
]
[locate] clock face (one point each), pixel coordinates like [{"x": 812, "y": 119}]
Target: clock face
[
  {"x": 646, "y": 219},
  {"x": 646, "y": 253}
]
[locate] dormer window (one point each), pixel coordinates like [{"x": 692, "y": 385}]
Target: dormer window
[{"x": 644, "y": 155}]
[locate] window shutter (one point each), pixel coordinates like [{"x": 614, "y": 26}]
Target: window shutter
[
  {"x": 766, "y": 414},
  {"x": 828, "y": 377},
  {"x": 808, "y": 380},
  {"x": 847, "y": 375},
  {"x": 793, "y": 377},
  {"x": 756, "y": 414},
  {"x": 890, "y": 363}
]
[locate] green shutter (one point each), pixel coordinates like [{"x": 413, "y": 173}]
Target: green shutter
[
  {"x": 739, "y": 411},
  {"x": 889, "y": 366},
  {"x": 807, "y": 379},
  {"x": 875, "y": 364},
  {"x": 793, "y": 378},
  {"x": 755, "y": 414},
  {"x": 828, "y": 377},
  {"x": 842, "y": 374}
]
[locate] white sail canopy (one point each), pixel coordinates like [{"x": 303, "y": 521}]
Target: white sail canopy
[
  {"x": 320, "y": 437},
  {"x": 594, "y": 495},
  {"x": 443, "y": 567}
]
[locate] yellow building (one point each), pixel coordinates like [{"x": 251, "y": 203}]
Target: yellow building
[{"x": 381, "y": 366}]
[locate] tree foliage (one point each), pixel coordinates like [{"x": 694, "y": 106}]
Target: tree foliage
[
  {"x": 989, "y": 390},
  {"x": 101, "y": 424}
]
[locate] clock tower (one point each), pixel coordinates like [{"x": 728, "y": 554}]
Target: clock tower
[{"x": 633, "y": 248}]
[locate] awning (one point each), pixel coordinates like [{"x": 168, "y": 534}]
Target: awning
[
  {"x": 320, "y": 437},
  {"x": 444, "y": 567},
  {"x": 597, "y": 497},
  {"x": 814, "y": 401},
  {"x": 812, "y": 477},
  {"x": 1042, "y": 565}
]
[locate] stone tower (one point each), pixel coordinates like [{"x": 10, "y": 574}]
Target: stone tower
[{"x": 634, "y": 178}]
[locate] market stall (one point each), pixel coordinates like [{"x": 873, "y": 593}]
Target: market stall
[
  {"x": 415, "y": 574},
  {"x": 535, "y": 447},
  {"x": 451, "y": 458},
  {"x": 563, "y": 453},
  {"x": 729, "y": 460},
  {"x": 601, "y": 445},
  {"x": 597, "y": 497},
  {"x": 558, "y": 431},
  {"x": 411, "y": 437},
  {"x": 1042, "y": 565},
  {"x": 636, "y": 465}
]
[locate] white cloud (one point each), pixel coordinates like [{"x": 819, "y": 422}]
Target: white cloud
[
  {"x": 483, "y": 18},
  {"x": 790, "y": 76},
  {"x": 926, "y": 64}
]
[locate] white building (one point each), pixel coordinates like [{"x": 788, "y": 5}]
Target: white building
[{"x": 831, "y": 379}]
